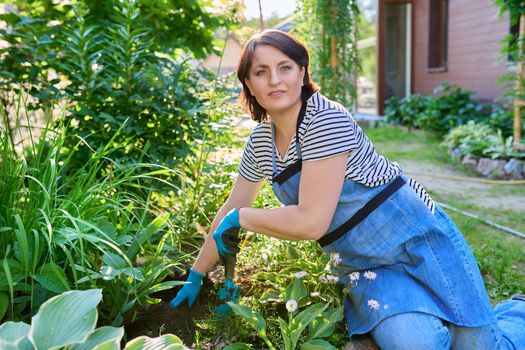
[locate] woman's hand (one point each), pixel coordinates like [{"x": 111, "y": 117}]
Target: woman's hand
[
  {"x": 226, "y": 235},
  {"x": 189, "y": 291}
]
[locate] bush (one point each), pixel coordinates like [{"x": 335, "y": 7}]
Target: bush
[
  {"x": 109, "y": 74},
  {"x": 451, "y": 108},
  {"x": 406, "y": 111},
  {"x": 480, "y": 140}
]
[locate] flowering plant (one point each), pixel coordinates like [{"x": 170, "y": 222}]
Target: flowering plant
[{"x": 316, "y": 317}]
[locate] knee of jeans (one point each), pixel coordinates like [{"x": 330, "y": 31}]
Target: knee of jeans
[{"x": 412, "y": 331}]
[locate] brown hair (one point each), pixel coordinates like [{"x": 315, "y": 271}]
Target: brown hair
[{"x": 288, "y": 45}]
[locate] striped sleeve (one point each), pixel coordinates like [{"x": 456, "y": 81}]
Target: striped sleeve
[
  {"x": 329, "y": 133},
  {"x": 422, "y": 193},
  {"x": 248, "y": 167}
]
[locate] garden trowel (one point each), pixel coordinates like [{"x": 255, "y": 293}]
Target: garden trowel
[{"x": 229, "y": 292}]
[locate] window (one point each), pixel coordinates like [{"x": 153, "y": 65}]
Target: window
[{"x": 438, "y": 33}]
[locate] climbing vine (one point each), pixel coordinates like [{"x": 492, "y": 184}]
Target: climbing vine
[{"x": 329, "y": 29}]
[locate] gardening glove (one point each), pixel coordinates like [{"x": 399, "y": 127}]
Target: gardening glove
[
  {"x": 189, "y": 291},
  {"x": 227, "y": 236},
  {"x": 230, "y": 292}
]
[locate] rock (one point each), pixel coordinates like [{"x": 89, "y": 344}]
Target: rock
[
  {"x": 515, "y": 169},
  {"x": 362, "y": 343},
  {"x": 470, "y": 160},
  {"x": 491, "y": 167}
]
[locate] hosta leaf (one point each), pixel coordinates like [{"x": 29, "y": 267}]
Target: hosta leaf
[
  {"x": 5, "y": 345},
  {"x": 103, "y": 336},
  {"x": 65, "y": 319},
  {"x": 167, "y": 342},
  {"x": 13, "y": 331},
  {"x": 317, "y": 344},
  {"x": 114, "y": 260}
]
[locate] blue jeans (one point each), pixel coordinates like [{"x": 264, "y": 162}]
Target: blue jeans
[{"x": 420, "y": 331}]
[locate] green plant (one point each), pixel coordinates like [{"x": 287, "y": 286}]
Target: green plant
[
  {"x": 320, "y": 323},
  {"x": 452, "y": 107},
  {"x": 108, "y": 70},
  {"x": 330, "y": 29},
  {"x": 83, "y": 231},
  {"x": 480, "y": 140},
  {"x": 68, "y": 321},
  {"x": 406, "y": 111}
]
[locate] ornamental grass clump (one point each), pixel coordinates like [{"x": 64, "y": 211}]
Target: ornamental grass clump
[{"x": 77, "y": 228}]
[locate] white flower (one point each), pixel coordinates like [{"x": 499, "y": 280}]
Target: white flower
[
  {"x": 370, "y": 275},
  {"x": 300, "y": 274},
  {"x": 354, "y": 276},
  {"x": 291, "y": 305},
  {"x": 335, "y": 258},
  {"x": 373, "y": 304},
  {"x": 332, "y": 278},
  {"x": 315, "y": 294},
  {"x": 323, "y": 279}
]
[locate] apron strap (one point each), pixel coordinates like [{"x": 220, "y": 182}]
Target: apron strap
[
  {"x": 362, "y": 213},
  {"x": 300, "y": 118}
]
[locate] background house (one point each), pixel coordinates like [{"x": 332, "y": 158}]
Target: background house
[
  {"x": 232, "y": 52},
  {"x": 423, "y": 43}
]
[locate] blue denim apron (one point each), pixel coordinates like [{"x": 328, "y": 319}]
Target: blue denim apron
[{"x": 421, "y": 260}]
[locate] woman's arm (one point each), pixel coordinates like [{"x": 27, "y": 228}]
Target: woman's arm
[
  {"x": 243, "y": 194},
  {"x": 319, "y": 191}
]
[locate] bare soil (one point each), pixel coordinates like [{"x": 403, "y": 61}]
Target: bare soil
[{"x": 157, "y": 319}]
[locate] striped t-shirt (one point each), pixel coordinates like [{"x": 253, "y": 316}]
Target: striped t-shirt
[{"x": 327, "y": 129}]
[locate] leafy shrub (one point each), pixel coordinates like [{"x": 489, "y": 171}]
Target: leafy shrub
[
  {"x": 450, "y": 108},
  {"x": 480, "y": 140},
  {"x": 501, "y": 118},
  {"x": 68, "y": 321},
  {"x": 116, "y": 76},
  {"x": 109, "y": 75},
  {"x": 406, "y": 111}
]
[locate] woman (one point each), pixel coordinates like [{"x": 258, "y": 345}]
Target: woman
[{"x": 337, "y": 190}]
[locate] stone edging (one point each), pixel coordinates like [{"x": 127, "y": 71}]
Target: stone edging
[{"x": 512, "y": 169}]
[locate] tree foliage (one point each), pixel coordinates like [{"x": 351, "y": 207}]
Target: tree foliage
[{"x": 182, "y": 24}]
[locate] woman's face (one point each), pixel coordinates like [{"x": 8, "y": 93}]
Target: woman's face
[{"x": 275, "y": 80}]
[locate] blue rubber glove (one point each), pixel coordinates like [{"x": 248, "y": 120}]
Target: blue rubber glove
[
  {"x": 226, "y": 235},
  {"x": 230, "y": 292},
  {"x": 189, "y": 291}
]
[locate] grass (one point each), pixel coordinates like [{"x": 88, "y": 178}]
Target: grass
[{"x": 501, "y": 256}]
